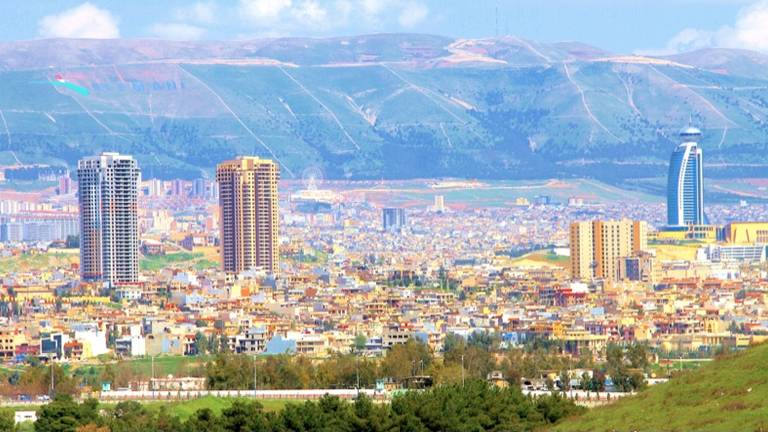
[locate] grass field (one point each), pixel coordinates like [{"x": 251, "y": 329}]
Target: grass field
[
  {"x": 195, "y": 260},
  {"x": 730, "y": 394},
  {"x": 41, "y": 261},
  {"x": 167, "y": 365},
  {"x": 541, "y": 258},
  {"x": 185, "y": 409},
  {"x": 65, "y": 257}
]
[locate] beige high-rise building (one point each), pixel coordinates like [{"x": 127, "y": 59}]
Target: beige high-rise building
[
  {"x": 248, "y": 206},
  {"x": 597, "y": 246},
  {"x": 582, "y": 254}
]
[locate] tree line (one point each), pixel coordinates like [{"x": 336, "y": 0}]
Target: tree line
[
  {"x": 471, "y": 358},
  {"x": 475, "y": 406}
]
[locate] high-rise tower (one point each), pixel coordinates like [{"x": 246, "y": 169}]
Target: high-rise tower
[
  {"x": 685, "y": 191},
  {"x": 597, "y": 246},
  {"x": 108, "y": 187},
  {"x": 249, "y": 214},
  {"x": 393, "y": 219}
]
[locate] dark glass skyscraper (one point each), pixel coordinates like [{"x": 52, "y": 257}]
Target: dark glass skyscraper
[
  {"x": 393, "y": 219},
  {"x": 685, "y": 191}
]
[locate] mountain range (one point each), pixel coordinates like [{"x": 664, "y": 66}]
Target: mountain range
[{"x": 382, "y": 106}]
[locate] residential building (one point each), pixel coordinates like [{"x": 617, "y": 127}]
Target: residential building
[
  {"x": 108, "y": 187},
  {"x": 597, "y": 246},
  {"x": 248, "y": 202}
]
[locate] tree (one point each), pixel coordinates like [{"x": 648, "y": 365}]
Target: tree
[
  {"x": 7, "y": 420},
  {"x": 229, "y": 372},
  {"x": 623, "y": 378},
  {"x": 359, "y": 343},
  {"x": 406, "y": 359},
  {"x": 484, "y": 340},
  {"x": 223, "y": 343},
  {"x": 244, "y": 417},
  {"x": 213, "y": 344},
  {"x": 65, "y": 415},
  {"x": 204, "y": 420},
  {"x": 201, "y": 343},
  {"x": 637, "y": 355}
]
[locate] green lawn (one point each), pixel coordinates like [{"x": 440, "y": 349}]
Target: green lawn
[
  {"x": 167, "y": 365},
  {"x": 185, "y": 409},
  {"x": 730, "y": 394},
  {"x": 194, "y": 260}
]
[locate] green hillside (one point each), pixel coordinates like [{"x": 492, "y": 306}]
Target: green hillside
[
  {"x": 378, "y": 106},
  {"x": 730, "y": 394}
]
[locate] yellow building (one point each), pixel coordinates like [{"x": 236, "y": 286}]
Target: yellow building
[
  {"x": 575, "y": 341},
  {"x": 746, "y": 232},
  {"x": 9, "y": 340},
  {"x": 249, "y": 215},
  {"x": 703, "y": 233},
  {"x": 597, "y": 246}
]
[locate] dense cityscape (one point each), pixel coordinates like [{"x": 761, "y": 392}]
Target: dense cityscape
[
  {"x": 383, "y": 216},
  {"x": 252, "y": 266}
]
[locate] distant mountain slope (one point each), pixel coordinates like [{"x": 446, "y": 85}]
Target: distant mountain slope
[
  {"x": 725, "y": 395},
  {"x": 379, "y": 106}
]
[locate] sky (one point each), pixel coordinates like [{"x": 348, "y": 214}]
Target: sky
[{"x": 621, "y": 26}]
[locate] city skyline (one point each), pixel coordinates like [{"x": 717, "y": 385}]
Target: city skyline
[{"x": 412, "y": 215}]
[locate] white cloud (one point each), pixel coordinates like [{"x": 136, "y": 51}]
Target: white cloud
[
  {"x": 282, "y": 17},
  {"x": 177, "y": 31},
  {"x": 373, "y": 7},
  {"x": 200, "y": 12},
  {"x": 84, "y": 21},
  {"x": 412, "y": 14},
  {"x": 310, "y": 13},
  {"x": 750, "y": 31},
  {"x": 264, "y": 10}
]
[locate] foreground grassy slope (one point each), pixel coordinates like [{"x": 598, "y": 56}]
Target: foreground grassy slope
[{"x": 730, "y": 394}]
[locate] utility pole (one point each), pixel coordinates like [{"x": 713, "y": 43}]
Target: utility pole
[
  {"x": 53, "y": 380},
  {"x": 152, "y": 381},
  {"x": 255, "y": 387},
  {"x": 357, "y": 373}
]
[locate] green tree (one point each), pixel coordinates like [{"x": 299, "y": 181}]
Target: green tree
[
  {"x": 244, "y": 417},
  {"x": 406, "y": 359},
  {"x": 359, "y": 343},
  {"x": 65, "y": 415},
  {"x": 204, "y": 420},
  {"x": 201, "y": 343},
  {"x": 130, "y": 416},
  {"x": 7, "y": 420},
  {"x": 637, "y": 354}
]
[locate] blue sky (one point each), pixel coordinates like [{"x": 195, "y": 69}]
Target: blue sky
[{"x": 654, "y": 26}]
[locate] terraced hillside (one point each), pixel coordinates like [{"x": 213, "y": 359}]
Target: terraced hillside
[{"x": 378, "y": 106}]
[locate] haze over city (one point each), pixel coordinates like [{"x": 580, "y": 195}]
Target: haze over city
[{"x": 411, "y": 215}]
